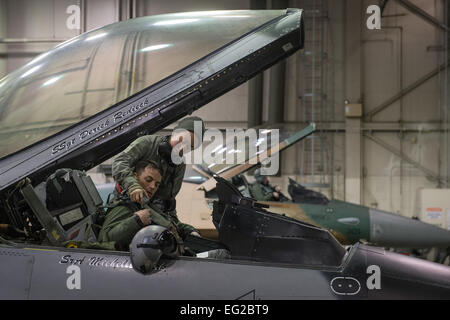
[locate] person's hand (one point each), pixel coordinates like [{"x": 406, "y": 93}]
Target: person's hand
[
  {"x": 195, "y": 233},
  {"x": 277, "y": 188},
  {"x": 144, "y": 215},
  {"x": 139, "y": 196},
  {"x": 276, "y": 195}
]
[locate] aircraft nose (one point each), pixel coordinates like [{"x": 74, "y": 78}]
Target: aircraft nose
[{"x": 391, "y": 230}]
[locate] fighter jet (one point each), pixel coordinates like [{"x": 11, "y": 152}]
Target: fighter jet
[
  {"x": 351, "y": 222},
  {"x": 348, "y": 222},
  {"x": 85, "y": 100}
]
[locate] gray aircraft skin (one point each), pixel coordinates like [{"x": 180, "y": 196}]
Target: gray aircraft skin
[
  {"x": 36, "y": 274},
  {"x": 272, "y": 256}
]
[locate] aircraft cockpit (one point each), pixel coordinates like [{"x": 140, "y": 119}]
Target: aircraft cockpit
[
  {"x": 63, "y": 210},
  {"x": 85, "y": 100}
]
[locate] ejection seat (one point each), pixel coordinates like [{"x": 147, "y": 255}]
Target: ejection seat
[
  {"x": 66, "y": 206},
  {"x": 300, "y": 194}
]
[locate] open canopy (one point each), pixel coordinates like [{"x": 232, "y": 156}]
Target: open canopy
[
  {"x": 97, "y": 69},
  {"x": 88, "y": 98}
]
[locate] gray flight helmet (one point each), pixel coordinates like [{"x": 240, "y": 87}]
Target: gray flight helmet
[{"x": 149, "y": 244}]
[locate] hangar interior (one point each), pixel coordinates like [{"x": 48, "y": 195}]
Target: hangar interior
[{"x": 379, "y": 97}]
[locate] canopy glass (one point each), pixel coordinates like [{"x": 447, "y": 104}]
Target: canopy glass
[{"x": 100, "y": 68}]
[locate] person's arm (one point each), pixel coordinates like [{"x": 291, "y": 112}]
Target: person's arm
[
  {"x": 183, "y": 228},
  {"x": 186, "y": 229},
  {"x": 123, "y": 164},
  {"x": 121, "y": 225},
  {"x": 158, "y": 219}
]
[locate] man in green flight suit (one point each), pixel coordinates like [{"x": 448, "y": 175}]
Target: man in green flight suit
[
  {"x": 188, "y": 134},
  {"x": 126, "y": 217}
]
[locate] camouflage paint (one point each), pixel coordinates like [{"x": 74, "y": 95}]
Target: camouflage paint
[{"x": 348, "y": 222}]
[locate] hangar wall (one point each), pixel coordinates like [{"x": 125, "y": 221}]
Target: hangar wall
[
  {"x": 405, "y": 49},
  {"x": 381, "y": 159},
  {"x": 402, "y": 148},
  {"x": 2, "y": 35}
]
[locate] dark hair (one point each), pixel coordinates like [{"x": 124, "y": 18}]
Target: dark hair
[{"x": 142, "y": 164}]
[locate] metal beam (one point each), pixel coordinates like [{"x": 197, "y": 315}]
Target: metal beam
[
  {"x": 404, "y": 126},
  {"x": 422, "y": 14},
  {"x": 401, "y": 155},
  {"x": 339, "y": 126},
  {"x": 127, "y": 9},
  {"x": 383, "y": 5},
  {"x": 255, "y": 85},
  {"x": 14, "y": 40},
  {"x": 83, "y": 12},
  {"x": 405, "y": 91},
  {"x": 277, "y": 81},
  {"x": 276, "y": 93},
  {"x": 255, "y": 101},
  {"x": 15, "y": 54}
]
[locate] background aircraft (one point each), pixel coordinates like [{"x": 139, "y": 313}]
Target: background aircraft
[{"x": 348, "y": 222}]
